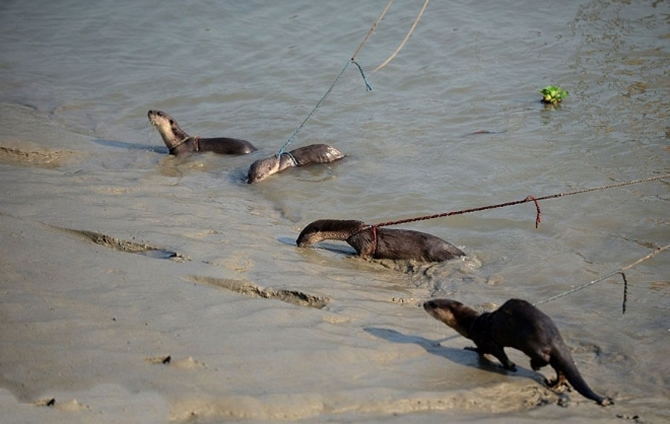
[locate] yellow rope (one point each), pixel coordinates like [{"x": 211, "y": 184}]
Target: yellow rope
[
  {"x": 371, "y": 30},
  {"x": 409, "y": 34}
]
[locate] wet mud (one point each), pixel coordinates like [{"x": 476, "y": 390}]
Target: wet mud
[
  {"x": 248, "y": 288},
  {"x": 30, "y": 154},
  {"x": 124, "y": 245}
]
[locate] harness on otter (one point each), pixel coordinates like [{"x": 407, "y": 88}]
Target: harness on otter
[{"x": 196, "y": 143}]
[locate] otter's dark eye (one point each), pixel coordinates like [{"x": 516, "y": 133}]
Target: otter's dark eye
[
  {"x": 171, "y": 122},
  {"x": 159, "y": 113}
]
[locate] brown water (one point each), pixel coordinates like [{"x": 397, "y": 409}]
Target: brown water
[{"x": 78, "y": 153}]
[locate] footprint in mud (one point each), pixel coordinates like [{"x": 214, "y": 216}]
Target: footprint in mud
[
  {"x": 45, "y": 402},
  {"x": 186, "y": 363},
  {"x": 250, "y": 289},
  {"x": 25, "y": 153},
  {"x": 71, "y": 405},
  {"x": 165, "y": 360},
  {"x": 124, "y": 245}
]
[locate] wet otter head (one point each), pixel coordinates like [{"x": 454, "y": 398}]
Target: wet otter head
[
  {"x": 453, "y": 313},
  {"x": 328, "y": 229},
  {"x": 263, "y": 168},
  {"x": 168, "y": 128}
]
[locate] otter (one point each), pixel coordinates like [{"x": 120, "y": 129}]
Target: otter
[
  {"x": 386, "y": 244},
  {"x": 308, "y": 155},
  {"x": 179, "y": 143},
  {"x": 519, "y": 325}
]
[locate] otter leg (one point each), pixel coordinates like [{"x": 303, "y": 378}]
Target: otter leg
[
  {"x": 496, "y": 351},
  {"x": 537, "y": 363},
  {"x": 499, "y": 352}
]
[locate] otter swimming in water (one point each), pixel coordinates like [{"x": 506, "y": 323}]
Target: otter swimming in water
[
  {"x": 178, "y": 142},
  {"x": 519, "y": 325},
  {"x": 308, "y": 155},
  {"x": 380, "y": 243}
]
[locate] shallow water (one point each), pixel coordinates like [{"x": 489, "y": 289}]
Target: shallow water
[{"x": 76, "y": 81}]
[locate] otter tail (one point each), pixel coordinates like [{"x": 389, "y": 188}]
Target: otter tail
[{"x": 563, "y": 364}]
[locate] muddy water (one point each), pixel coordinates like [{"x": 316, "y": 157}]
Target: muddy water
[{"x": 77, "y": 152}]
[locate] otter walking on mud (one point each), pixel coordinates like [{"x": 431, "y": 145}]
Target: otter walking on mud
[
  {"x": 308, "y": 155},
  {"x": 519, "y": 325},
  {"x": 178, "y": 142},
  {"x": 380, "y": 243}
]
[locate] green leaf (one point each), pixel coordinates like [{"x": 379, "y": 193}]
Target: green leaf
[{"x": 553, "y": 94}]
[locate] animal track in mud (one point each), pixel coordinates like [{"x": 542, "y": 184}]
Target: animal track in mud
[
  {"x": 45, "y": 402},
  {"x": 165, "y": 360},
  {"x": 71, "y": 405},
  {"x": 124, "y": 245},
  {"x": 30, "y": 154},
  {"x": 250, "y": 289},
  {"x": 185, "y": 363}
]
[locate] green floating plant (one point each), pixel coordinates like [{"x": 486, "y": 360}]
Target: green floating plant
[{"x": 552, "y": 94}]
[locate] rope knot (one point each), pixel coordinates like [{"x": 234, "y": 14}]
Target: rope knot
[
  {"x": 368, "y": 87},
  {"x": 538, "y": 219},
  {"x": 374, "y": 239}
]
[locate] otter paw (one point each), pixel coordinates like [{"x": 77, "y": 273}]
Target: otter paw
[
  {"x": 606, "y": 401},
  {"x": 557, "y": 383},
  {"x": 510, "y": 367},
  {"x": 557, "y": 386}
]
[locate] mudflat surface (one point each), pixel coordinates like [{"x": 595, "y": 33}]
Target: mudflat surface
[{"x": 139, "y": 287}]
